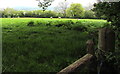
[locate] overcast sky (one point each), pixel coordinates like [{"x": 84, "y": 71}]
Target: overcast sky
[{"x": 34, "y": 3}]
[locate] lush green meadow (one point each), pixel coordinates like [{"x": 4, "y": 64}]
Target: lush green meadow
[{"x": 44, "y": 44}]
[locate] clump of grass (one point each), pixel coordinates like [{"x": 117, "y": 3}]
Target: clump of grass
[
  {"x": 48, "y": 23},
  {"x": 79, "y": 28},
  {"x": 31, "y": 23}
]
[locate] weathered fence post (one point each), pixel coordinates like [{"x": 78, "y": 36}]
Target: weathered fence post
[
  {"x": 92, "y": 65},
  {"x": 106, "y": 40},
  {"x": 90, "y": 47},
  {"x": 106, "y": 43}
]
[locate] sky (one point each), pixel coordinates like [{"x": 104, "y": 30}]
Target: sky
[{"x": 34, "y": 4}]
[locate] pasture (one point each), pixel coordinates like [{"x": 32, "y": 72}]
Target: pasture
[{"x": 44, "y": 44}]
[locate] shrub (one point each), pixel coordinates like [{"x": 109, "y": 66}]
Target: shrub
[
  {"x": 68, "y": 24},
  {"x": 31, "y": 23},
  {"x": 79, "y": 28},
  {"x": 48, "y": 23},
  {"x": 78, "y": 22},
  {"x": 89, "y": 14},
  {"x": 60, "y": 23},
  {"x": 40, "y": 23}
]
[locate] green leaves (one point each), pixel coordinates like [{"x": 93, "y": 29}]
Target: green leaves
[
  {"x": 45, "y": 4},
  {"x": 110, "y": 10},
  {"x": 75, "y": 10}
]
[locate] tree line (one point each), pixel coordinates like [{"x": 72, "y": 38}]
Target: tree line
[{"x": 75, "y": 10}]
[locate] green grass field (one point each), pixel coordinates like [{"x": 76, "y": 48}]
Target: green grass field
[{"x": 42, "y": 46}]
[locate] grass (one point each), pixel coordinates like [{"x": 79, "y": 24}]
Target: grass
[{"x": 41, "y": 47}]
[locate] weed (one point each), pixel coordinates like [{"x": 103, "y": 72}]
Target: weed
[{"x": 31, "y": 23}]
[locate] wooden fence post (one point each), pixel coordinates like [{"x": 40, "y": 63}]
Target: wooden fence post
[
  {"x": 90, "y": 47},
  {"x": 106, "y": 43},
  {"x": 92, "y": 65},
  {"x": 106, "y": 40}
]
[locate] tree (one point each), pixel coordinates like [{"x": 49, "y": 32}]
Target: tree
[
  {"x": 110, "y": 10},
  {"x": 44, "y": 4},
  {"x": 89, "y": 14},
  {"x": 75, "y": 10},
  {"x": 9, "y": 12},
  {"x": 61, "y": 8},
  {"x": 49, "y": 14},
  {"x": 1, "y": 12}
]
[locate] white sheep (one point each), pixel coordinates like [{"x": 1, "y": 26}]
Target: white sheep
[
  {"x": 51, "y": 17},
  {"x": 59, "y": 17}
]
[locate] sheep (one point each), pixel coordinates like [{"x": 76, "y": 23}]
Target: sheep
[
  {"x": 51, "y": 17},
  {"x": 59, "y": 17}
]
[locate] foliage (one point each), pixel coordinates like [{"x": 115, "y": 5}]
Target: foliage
[
  {"x": 66, "y": 24},
  {"x": 80, "y": 28},
  {"x": 110, "y": 10},
  {"x": 89, "y": 14},
  {"x": 11, "y": 13},
  {"x": 75, "y": 10},
  {"x": 31, "y": 23},
  {"x": 44, "y": 5},
  {"x": 61, "y": 8},
  {"x": 112, "y": 13},
  {"x": 49, "y": 14}
]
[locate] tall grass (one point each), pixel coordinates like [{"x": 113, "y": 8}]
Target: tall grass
[{"x": 43, "y": 47}]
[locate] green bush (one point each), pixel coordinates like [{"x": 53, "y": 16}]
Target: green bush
[
  {"x": 89, "y": 14},
  {"x": 31, "y": 23},
  {"x": 79, "y": 28}
]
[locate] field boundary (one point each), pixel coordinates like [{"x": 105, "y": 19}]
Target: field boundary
[{"x": 106, "y": 43}]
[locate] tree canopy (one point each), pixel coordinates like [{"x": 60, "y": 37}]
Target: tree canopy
[
  {"x": 61, "y": 8},
  {"x": 75, "y": 10},
  {"x": 110, "y": 9},
  {"x": 45, "y": 4},
  {"x": 89, "y": 14}
]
